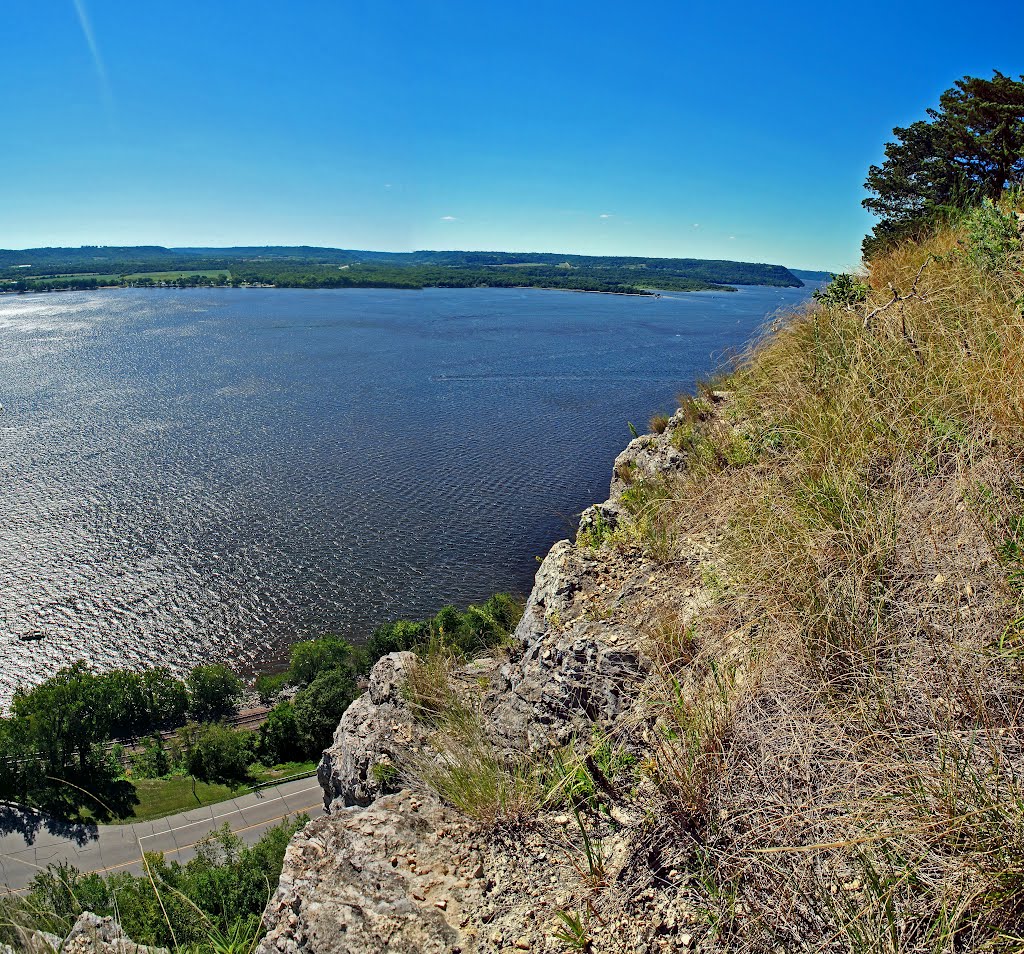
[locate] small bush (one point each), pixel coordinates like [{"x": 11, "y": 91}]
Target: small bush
[
  {"x": 844, "y": 290},
  {"x": 215, "y": 753},
  {"x": 658, "y": 423},
  {"x": 153, "y": 761},
  {"x": 993, "y": 237}
]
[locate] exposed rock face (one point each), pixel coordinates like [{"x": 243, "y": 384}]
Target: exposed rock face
[
  {"x": 647, "y": 456},
  {"x": 569, "y": 671},
  {"x": 398, "y": 876},
  {"x": 90, "y": 934},
  {"x": 375, "y": 729},
  {"x": 406, "y": 874}
]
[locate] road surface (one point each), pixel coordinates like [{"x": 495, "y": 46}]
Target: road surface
[{"x": 30, "y": 841}]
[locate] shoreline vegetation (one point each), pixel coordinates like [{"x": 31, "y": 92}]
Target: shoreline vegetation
[
  {"x": 98, "y": 267},
  {"x": 123, "y": 746}
]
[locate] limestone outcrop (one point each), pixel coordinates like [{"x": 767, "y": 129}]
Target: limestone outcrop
[
  {"x": 400, "y": 872},
  {"x": 90, "y": 934}
]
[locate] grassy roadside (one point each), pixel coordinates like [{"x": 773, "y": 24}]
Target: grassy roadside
[{"x": 158, "y": 797}]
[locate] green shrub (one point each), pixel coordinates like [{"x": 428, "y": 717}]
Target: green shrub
[
  {"x": 268, "y": 686},
  {"x": 319, "y": 707},
  {"x": 215, "y": 753},
  {"x": 153, "y": 761},
  {"x": 279, "y": 739},
  {"x": 844, "y": 290},
  {"x": 993, "y": 236},
  {"x": 213, "y": 692}
]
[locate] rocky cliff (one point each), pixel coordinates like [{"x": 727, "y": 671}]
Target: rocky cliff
[
  {"x": 403, "y": 872},
  {"x": 772, "y": 696}
]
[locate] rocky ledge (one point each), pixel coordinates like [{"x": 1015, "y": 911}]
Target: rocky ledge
[
  {"x": 399, "y": 871},
  {"x": 90, "y": 934}
]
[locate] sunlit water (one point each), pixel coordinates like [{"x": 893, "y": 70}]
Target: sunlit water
[{"x": 211, "y": 474}]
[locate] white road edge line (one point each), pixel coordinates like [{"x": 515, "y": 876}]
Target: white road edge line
[{"x": 237, "y": 811}]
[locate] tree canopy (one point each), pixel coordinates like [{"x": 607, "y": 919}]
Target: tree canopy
[{"x": 970, "y": 148}]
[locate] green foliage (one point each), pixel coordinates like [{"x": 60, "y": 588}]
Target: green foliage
[
  {"x": 479, "y": 627},
  {"x": 166, "y": 698},
  {"x": 844, "y": 290},
  {"x": 152, "y": 761},
  {"x": 319, "y": 707},
  {"x": 595, "y": 531},
  {"x": 268, "y": 686},
  {"x": 577, "y": 780},
  {"x": 400, "y": 636},
  {"x": 214, "y": 900},
  {"x": 63, "y": 718},
  {"x": 572, "y": 931},
  {"x": 971, "y": 147},
  {"x": 213, "y": 692},
  {"x": 56, "y": 733},
  {"x": 993, "y": 236},
  {"x": 385, "y": 775},
  {"x": 279, "y": 738},
  {"x": 215, "y": 753},
  {"x": 314, "y": 657}
]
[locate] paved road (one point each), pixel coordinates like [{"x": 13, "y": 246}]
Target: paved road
[{"x": 30, "y": 841}]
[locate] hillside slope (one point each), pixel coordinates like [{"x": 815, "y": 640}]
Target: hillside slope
[{"x": 770, "y": 699}]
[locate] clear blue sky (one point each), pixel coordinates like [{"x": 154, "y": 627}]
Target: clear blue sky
[{"x": 737, "y": 130}]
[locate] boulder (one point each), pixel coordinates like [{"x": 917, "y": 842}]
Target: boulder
[
  {"x": 397, "y": 876},
  {"x": 377, "y": 728}
]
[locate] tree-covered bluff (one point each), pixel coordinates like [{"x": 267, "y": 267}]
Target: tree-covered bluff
[{"x": 55, "y": 269}]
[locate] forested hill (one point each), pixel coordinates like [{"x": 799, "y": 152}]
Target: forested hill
[{"x": 43, "y": 269}]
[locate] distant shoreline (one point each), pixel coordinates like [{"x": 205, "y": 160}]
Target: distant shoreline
[{"x": 577, "y": 291}]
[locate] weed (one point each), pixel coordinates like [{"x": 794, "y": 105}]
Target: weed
[
  {"x": 658, "y": 423},
  {"x": 385, "y": 774},
  {"x": 594, "y": 529},
  {"x": 572, "y": 931}
]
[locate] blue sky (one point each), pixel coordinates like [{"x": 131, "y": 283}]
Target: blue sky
[{"x": 739, "y": 130}]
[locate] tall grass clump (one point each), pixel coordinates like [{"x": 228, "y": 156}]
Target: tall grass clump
[{"x": 863, "y": 470}]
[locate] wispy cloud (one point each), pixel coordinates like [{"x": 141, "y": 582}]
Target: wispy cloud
[
  {"x": 696, "y": 225},
  {"x": 606, "y": 215},
  {"x": 449, "y": 218},
  {"x": 90, "y": 38}
]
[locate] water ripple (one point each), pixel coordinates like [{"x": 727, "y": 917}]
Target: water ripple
[{"x": 193, "y": 475}]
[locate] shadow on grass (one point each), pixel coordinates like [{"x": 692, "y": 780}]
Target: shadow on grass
[{"x": 69, "y": 808}]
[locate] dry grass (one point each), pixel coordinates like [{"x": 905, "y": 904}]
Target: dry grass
[
  {"x": 658, "y": 423},
  {"x": 865, "y": 792},
  {"x": 462, "y": 766}
]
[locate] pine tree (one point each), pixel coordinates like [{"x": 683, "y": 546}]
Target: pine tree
[{"x": 971, "y": 147}]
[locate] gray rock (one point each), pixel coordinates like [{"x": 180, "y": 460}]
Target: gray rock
[
  {"x": 647, "y": 457},
  {"x": 377, "y": 727},
  {"x": 391, "y": 877},
  {"x": 571, "y": 672},
  {"x": 90, "y": 934}
]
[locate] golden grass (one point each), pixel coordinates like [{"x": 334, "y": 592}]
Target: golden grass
[{"x": 862, "y": 791}]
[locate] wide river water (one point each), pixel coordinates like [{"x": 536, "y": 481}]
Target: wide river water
[{"x": 211, "y": 474}]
